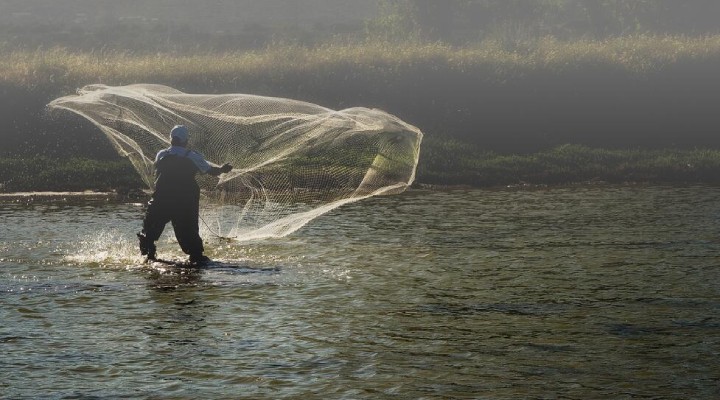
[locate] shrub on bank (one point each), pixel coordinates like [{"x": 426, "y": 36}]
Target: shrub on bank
[
  {"x": 452, "y": 163},
  {"x": 72, "y": 174}
]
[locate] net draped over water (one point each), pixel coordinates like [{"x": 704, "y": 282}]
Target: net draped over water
[{"x": 293, "y": 160}]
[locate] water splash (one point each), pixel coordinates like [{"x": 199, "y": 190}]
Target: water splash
[{"x": 104, "y": 248}]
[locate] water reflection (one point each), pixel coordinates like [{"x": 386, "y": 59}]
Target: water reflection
[
  {"x": 170, "y": 279},
  {"x": 565, "y": 293}
]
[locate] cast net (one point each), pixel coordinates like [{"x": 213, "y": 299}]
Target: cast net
[{"x": 293, "y": 160}]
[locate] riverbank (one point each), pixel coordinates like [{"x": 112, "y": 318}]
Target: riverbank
[
  {"x": 443, "y": 163},
  {"x": 651, "y": 92},
  {"x": 457, "y": 163},
  {"x": 627, "y": 109},
  {"x": 40, "y": 173}
]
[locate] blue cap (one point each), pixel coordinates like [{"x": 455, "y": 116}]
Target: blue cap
[{"x": 179, "y": 132}]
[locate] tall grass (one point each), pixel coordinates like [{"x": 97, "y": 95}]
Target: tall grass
[
  {"x": 62, "y": 68},
  {"x": 493, "y": 113},
  {"x": 71, "y": 174},
  {"x": 534, "y": 94}
]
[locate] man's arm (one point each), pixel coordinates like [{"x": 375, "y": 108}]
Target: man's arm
[
  {"x": 205, "y": 167},
  {"x": 215, "y": 171}
]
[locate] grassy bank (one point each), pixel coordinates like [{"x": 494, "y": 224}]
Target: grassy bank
[
  {"x": 72, "y": 174},
  {"x": 443, "y": 162},
  {"x": 626, "y": 92},
  {"x": 456, "y": 163},
  {"x": 64, "y": 69},
  {"x": 493, "y": 113}
]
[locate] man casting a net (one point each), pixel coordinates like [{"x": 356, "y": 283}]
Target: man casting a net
[
  {"x": 176, "y": 197},
  {"x": 299, "y": 160}
]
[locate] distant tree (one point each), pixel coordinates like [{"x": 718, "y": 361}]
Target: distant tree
[
  {"x": 449, "y": 20},
  {"x": 507, "y": 20},
  {"x": 688, "y": 17},
  {"x": 620, "y": 17},
  {"x": 394, "y": 22},
  {"x": 462, "y": 21},
  {"x": 434, "y": 19}
]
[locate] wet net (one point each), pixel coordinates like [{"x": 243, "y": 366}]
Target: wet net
[{"x": 293, "y": 160}]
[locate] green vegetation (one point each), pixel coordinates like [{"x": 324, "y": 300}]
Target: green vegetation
[
  {"x": 448, "y": 162},
  {"x": 519, "y": 97},
  {"x": 60, "y": 69},
  {"x": 73, "y": 174},
  {"x": 221, "y": 25},
  {"x": 466, "y": 21},
  {"x": 506, "y": 91},
  {"x": 443, "y": 162},
  {"x": 494, "y": 112}
]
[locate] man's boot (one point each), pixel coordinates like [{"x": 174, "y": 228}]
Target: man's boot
[
  {"x": 147, "y": 247},
  {"x": 199, "y": 259}
]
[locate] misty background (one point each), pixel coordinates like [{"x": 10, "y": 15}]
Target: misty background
[
  {"x": 488, "y": 81},
  {"x": 215, "y": 25}
]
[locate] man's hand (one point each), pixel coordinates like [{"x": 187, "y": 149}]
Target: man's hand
[{"x": 215, "y": 171}]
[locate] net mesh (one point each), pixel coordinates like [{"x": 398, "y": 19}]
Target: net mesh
[{"x": 293, "y": 160}]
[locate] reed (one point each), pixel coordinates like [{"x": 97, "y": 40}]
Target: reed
[
  {"x": 565, "y": 90},
  {"x": 61, "y": 68}
]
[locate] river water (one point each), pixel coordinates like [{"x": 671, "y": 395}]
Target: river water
[{"x": 599, "y": 292}]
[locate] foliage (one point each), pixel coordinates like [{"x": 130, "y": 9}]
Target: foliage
[
  {"x": 174, "y": 26},
  {"x": 615, "y": 93},
  {"x": 443, "y": 161},
  {"x": 218, "y": 25},
  {"x": 65, "y": 68},
  {"x": 449, "y": 162},
  {"x": 601, "y": 93},
  {"x": 73, "y": 174},
  {"x": 466, "y": 21}
]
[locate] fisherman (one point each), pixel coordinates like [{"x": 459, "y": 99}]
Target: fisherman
[{"x": 176, "y": 197}]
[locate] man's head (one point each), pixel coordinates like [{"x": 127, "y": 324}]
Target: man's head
[{"x": 179, "y": 135}]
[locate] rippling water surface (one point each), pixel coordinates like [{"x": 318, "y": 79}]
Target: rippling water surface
[{"x": 588, "y": 292}]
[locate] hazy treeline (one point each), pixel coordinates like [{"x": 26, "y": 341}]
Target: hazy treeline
[
  {"x": 220, "y": 25},
  {"x": 466, "y": 21},
  {"x": 178, "y": 25}
]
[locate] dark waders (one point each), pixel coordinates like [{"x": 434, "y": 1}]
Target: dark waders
[{"x": 177, "y": 200}]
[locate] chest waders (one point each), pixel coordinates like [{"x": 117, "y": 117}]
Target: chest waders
[{"x": 176, "y": 199}]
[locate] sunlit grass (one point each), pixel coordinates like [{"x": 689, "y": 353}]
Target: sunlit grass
[{"x": 67, "y": 68}]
